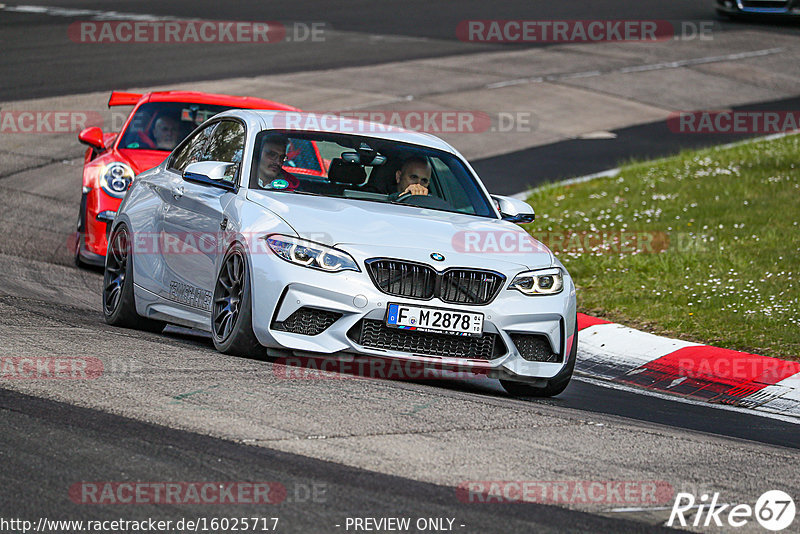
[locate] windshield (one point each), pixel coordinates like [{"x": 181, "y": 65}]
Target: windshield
[
  {"x": 162, "y": 125},
  {"x": 366, "y": 169}
]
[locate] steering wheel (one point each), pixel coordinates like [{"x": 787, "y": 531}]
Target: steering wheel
[{"x": 424, "y": 201}]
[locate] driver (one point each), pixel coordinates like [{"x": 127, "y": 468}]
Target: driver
[
  {"x": 413, "y": 177},
  {"x": 270, "y": 165},
  {"x": 166, "y": 132}
]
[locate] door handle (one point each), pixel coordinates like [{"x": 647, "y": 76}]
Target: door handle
[{"x": 177, "y": 192}]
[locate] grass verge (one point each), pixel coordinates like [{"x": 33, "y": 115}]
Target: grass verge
[{"x": 703, "y": 246}]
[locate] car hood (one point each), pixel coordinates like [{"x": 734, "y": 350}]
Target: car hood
[{"x": 379, "y": 229}]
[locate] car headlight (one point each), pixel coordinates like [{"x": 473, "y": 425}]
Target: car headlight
[
  {"x": 541, "y": 282},
  {"x": 310, "y": 254},
  {"x": 115, "y": 178}
]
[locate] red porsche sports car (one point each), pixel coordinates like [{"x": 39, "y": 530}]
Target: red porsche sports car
[{"x": 155, "y": 126}]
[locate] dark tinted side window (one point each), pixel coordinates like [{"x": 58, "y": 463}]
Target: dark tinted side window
[
  {"x": 226, "y": 144},
  {"x": 193, "y": 150}
]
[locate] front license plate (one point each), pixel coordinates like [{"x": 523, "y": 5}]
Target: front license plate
[{"x": 424, "y": 319}]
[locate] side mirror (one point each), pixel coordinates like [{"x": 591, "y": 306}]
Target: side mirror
[
  {"x": 513, "y": 210},
  {"x": 217, "y": 173},
  {"x": 93, "y": 137}
]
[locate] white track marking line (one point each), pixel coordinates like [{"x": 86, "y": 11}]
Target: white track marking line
[
  {"x": 93, "y": 13},
  {"x": 640, "y": 509}
]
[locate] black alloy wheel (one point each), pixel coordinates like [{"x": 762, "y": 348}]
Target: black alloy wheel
[
  {"x": 228, "y": 295},
  {"x": 119, "y": 304},
  {"x": 231, "y": 313},
  {"x": 116, "y": 271}
]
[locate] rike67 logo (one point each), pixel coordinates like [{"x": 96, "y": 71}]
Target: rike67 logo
[{"x": 774, "y": 510}]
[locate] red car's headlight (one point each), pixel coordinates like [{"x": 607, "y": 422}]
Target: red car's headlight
[{"x": 116, "y": 178}]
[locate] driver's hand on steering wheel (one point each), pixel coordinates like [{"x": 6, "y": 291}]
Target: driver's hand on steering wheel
[{"x": 415, "y": 189}]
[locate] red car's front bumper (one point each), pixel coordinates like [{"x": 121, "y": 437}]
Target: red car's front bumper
[{"x": 96, "y": 214}]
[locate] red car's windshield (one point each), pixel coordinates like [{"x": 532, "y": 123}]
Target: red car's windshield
[{"x": 162, "y": 125}]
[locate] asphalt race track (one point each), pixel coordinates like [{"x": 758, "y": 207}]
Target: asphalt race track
[
  {"x": 58, "y": 442},
  {"x": 362, "y": 32},
  {"x": 168, "y": 407}
]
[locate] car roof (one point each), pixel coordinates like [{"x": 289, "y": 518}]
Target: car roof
[
  {"x": 331, "y": 123},
  {"x": 213, "y": 98}
]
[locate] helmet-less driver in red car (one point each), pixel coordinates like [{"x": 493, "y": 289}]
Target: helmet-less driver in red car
[{"x": 164, "y": 134}]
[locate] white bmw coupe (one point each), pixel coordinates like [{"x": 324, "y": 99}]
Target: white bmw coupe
[{"x": 294, "y": 233}]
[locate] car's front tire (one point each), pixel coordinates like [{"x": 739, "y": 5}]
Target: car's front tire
[
  {"x": 554, "y": 386},
  {"x": 232, "y": 312},
  {"x": 79, "y": 235},
  {"x": 119, "y": 306}
]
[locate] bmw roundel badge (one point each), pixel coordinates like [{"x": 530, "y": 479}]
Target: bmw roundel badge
[{"x": 436, "y": 256}]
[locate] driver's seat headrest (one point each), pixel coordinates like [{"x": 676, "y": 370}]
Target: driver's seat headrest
[{"x": 345, "y": 172}]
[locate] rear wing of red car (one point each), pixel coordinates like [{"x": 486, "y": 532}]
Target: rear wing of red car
[{"x": 118, "y": 98}]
